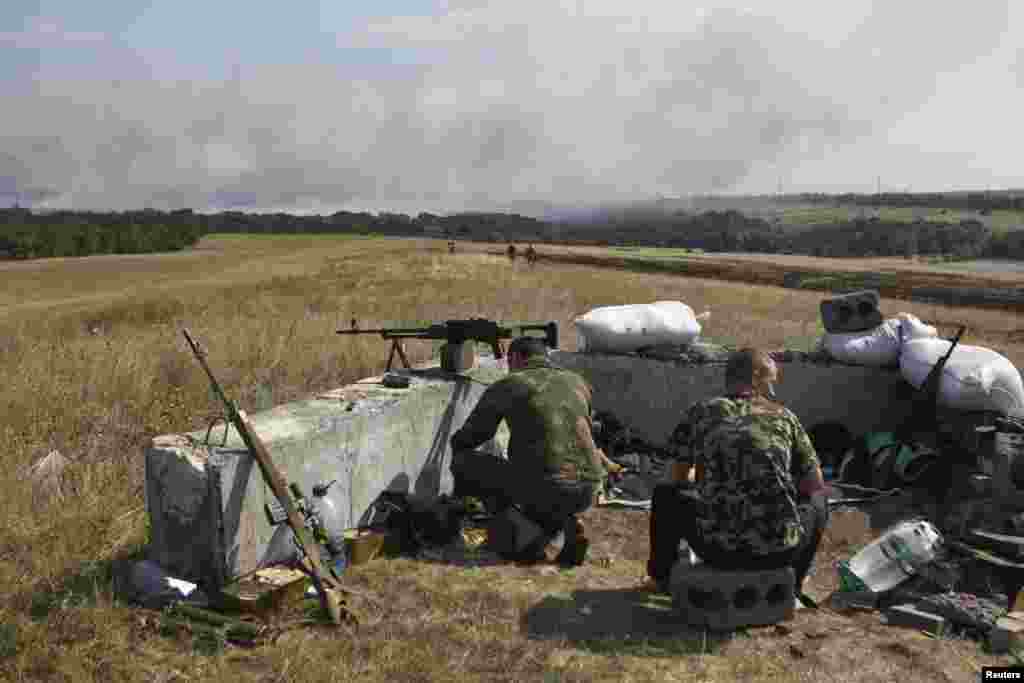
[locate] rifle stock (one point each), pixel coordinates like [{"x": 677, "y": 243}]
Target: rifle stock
[{"x": 278, "y": 485}]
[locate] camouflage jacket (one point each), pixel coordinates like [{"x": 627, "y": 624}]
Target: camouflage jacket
[
  {"x": 749, "y": 453},
  {"x": 547, "y": 410}
]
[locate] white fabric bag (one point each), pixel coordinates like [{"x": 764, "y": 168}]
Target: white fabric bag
[
  {"x": 621, "y": 329},
  {"x": 879, "y": 347},
  {"x": 975, "y": 378}
]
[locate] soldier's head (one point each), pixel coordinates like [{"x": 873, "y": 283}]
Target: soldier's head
[
  {"x": 751, "y": 370},
  {"x": 522, "y": 349}
]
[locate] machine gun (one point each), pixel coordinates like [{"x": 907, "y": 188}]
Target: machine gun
[
  {"x": 456, "y": 332},
  {"x": 326, "y": 588}
]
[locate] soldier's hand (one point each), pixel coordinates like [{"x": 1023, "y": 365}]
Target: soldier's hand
[{"x": 614, "y": 467}]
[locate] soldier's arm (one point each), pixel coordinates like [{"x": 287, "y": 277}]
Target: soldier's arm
[
  {"x": 483, "y": 422},
  {"x": 806, "y": 466},
  {"x": 682, "y": 445},
  {"x": 585, "y": 430},
  {"x": 609, "y": 464}
]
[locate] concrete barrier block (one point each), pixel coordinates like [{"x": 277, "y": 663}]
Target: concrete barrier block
[
  {"x": 206, "y": 502},
  {"x": 652, "y": 395},
  {"x": 724, "y": 600}
]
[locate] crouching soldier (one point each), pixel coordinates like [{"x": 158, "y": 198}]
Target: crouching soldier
[
  {"x": 554, "y": 469},
  {"x": 748, "y": 491}
]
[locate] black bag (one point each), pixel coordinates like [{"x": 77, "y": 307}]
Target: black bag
[
  {"x": 419, "y": 523},
  {"x": 440, "y": 522}
]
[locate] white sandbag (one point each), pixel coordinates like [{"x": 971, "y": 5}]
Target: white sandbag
[
  {"x": 879, "y": 347},
  {"x": 913, "y": 328},
  {"x": 621, "y": 329},
  {"x": 975, "y": 378}
]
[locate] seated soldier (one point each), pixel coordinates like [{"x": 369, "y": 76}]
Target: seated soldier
[
  {"x": 554, "y": 469},
  {"x": 748, "y": 492},
  {"x": 531, "y": 254}
]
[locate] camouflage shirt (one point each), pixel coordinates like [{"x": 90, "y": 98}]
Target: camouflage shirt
[
  {"x": 748, "y": 453},
  {"x": 548, "y": 414}
]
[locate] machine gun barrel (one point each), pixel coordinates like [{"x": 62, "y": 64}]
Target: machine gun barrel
[
  {"x": 390, "y": 332},
  {"x": 460, "y": 331}
]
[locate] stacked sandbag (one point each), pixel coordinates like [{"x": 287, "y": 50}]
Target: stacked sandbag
[
  {"x": 623, "y": 329},
  {"x": 879, "y": 346},
  {"x": 974, "y": 378}
]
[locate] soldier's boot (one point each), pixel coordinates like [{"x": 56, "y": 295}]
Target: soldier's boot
[{"x": 577, "y": 545}]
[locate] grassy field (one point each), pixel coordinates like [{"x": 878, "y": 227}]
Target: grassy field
[
  {"x": 922, "y": 270},
  {"x": 94, "y": 366},
  {"x": 667, "y": 253},
  {"x": 807, "y": 215},
  {"x": 918, "y": 282}
]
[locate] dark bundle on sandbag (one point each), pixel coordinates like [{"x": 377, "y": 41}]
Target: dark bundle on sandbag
[
  {"x": 618, "y": 442},
  {"x": 853, "y": 312}
]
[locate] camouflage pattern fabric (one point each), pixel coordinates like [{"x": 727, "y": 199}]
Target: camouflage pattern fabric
[
  {"x": 547, "y": 410},
  {"x": 748, "y": 452}
]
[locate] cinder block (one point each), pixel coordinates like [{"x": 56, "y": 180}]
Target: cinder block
[
  {"x": 723, "y": 600},
  {"x": 853, "y": 312},
  {"x": 908, "y": 615}
]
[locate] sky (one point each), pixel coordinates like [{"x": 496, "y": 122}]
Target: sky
[{"x": 413, "y": 105}]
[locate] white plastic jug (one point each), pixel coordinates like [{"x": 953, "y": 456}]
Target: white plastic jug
[{"x": 894, "y": 556}]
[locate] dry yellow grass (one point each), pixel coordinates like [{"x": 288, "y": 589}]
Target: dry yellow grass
[{"x": 94, "y": 366}]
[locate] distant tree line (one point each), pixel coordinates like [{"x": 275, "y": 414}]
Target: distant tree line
[
  {"x": 733, "y": 231},
  {"x": 962, "y": 201},
  {"x": 27, "y": 234}
]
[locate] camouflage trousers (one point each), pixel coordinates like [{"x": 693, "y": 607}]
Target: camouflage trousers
[
  {"x": 551, "y": 504},
  {"x": 673, "y": 519}
]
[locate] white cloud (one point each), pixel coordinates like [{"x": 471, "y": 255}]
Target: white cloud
[
  {"x": 537, "y": 99},
  {"x": 43, "y": 32}
]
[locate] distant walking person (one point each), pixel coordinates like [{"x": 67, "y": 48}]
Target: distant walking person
[
  {"x": 531, "y": 255},
  {"x": 511, "y": 252},
  {"x": 451, "y": 246}
]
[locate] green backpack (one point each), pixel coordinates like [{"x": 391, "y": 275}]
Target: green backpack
[{"x": 880, "y": 460}]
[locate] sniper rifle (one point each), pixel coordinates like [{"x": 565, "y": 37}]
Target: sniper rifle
[
  {"x": 458, "y": 331},
  {"x": 325, "y": 585}
]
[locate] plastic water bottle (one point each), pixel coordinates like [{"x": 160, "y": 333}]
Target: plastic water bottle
[
  {"x": 891, "y": 558},
  {"x": 331, "y": 519},
  {"x": 687, "y": 558}
]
